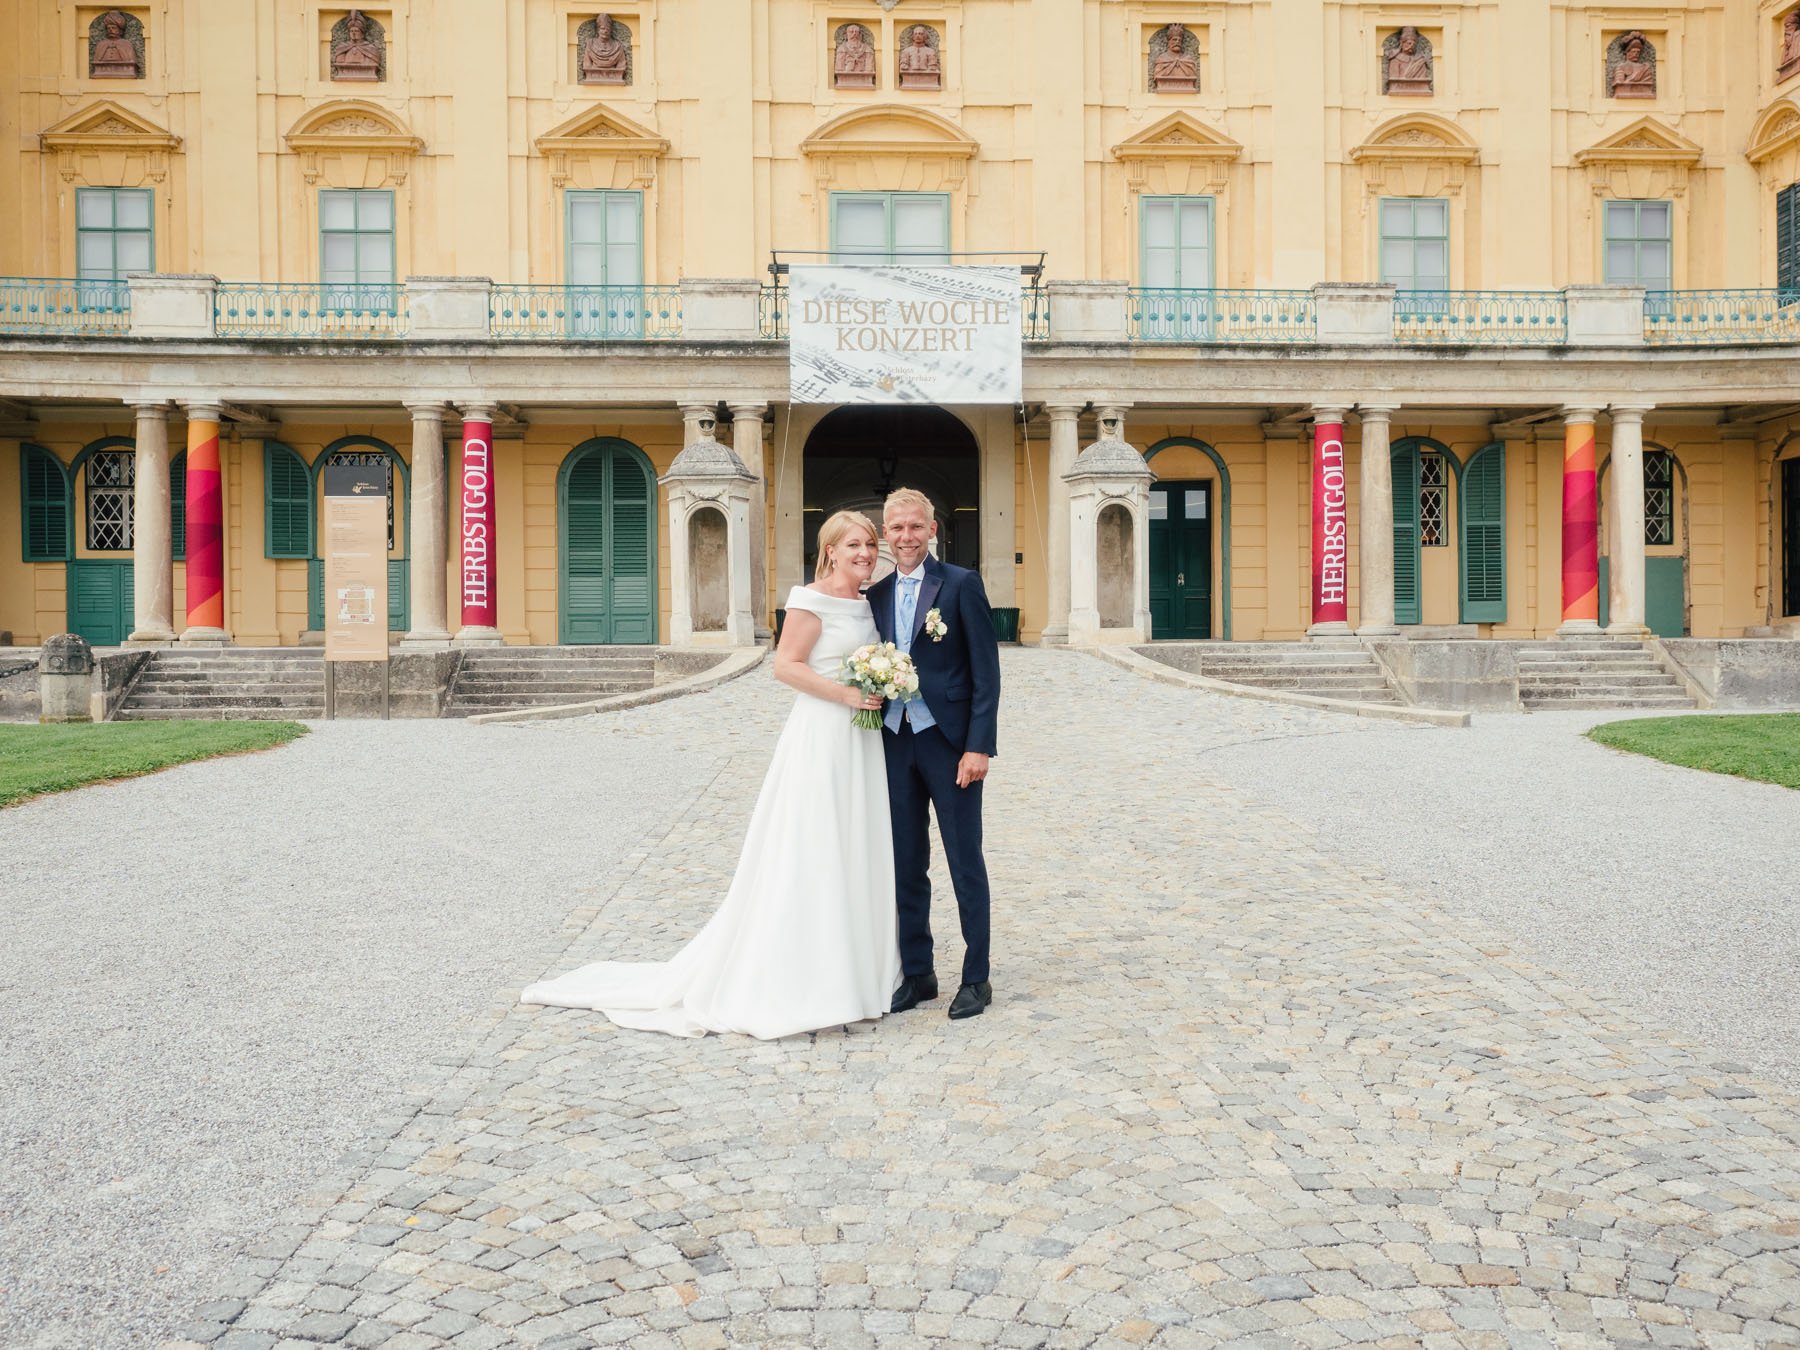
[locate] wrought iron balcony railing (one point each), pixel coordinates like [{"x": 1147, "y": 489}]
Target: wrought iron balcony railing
[
  {"x": 63, "y": 305},
  {"x": 1160, "y": 314},
  {"x": 1721, "y": 318},
  {"x": 1481, "y": 318},
  {"x": 1034, "y": 312},
  {"x": 308, "y": 310},
  {"x": 551, "y": 313}
]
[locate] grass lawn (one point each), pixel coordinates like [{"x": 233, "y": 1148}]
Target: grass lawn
[
  {"x": 35, "y": 760},
  {"x": 1764, "y": 746}
]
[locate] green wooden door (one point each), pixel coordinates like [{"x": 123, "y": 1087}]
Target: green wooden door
[
  {"x": 1483, "y": 533},
  {"x": 1181, "y": 560},
  {"x": 609, "y": 553},
  {"x": 1665, "y": 595},
  {"x": 100, "y": 600},
  {"x": 1406, "y": 534}
]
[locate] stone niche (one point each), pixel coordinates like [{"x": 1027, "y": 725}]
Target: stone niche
[
  {"x": 112, "y": 41},
  {"x": 1174, "y": 54},
  {"x": 853, "y": 56},
  {"x": 1409, "y": 63},
  {"x": 1787, "y": 46},
  {"x": 919, "y": 63},
  {"x": 354, "y": 46},
  {"x": 1631, "y": 65},
  {"x": 604, "y": 59}
]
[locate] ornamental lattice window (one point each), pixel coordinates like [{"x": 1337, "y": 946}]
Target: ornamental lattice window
[
  {"x": 1432, "y": 533},
  {"x": 1659, "y": 497},
  {"x": 371, "y": 459},
  {"x": 111, "y": 477}
]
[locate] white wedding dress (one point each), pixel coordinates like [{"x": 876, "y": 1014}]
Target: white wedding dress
[{"x": 806, "y": 937}]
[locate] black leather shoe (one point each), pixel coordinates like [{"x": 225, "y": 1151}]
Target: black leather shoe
[
  {"x": 971, "y": 1000},
  {"x": 914, "y": 990}
]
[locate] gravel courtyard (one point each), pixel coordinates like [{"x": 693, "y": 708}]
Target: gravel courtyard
[{"x": 1308, "y": 1031}]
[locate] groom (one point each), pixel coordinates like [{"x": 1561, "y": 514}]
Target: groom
[{"x": 938, "y": 745}]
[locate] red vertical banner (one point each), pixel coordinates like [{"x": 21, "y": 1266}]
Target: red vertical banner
[
  {"x": 477, "y": 571},
  {"x": 1580, "y": 527},
  {"x": 1330, "y": 526},
  {"x": 205, "y": 527}
]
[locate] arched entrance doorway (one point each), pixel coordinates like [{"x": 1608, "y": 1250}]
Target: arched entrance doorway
[
  {"x": 856, "y": 456},
  {"x": 606, "y": 536},
  {"x": 372, "y": 453}
]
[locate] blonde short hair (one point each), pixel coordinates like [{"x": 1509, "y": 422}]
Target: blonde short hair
[
  {"x": 907, "y": 497},
  {"x": 833, "y": 532}
]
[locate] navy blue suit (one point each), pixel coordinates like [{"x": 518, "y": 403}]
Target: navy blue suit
[{"x": 959, "y": 680}]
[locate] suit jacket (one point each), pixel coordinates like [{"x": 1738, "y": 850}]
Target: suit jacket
[{"x": 959, "y": 675}]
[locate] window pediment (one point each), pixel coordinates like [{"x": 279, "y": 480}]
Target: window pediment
[
  {"x": 108, "y": 127},
  {"x": 1416, "y": 155},
  {"x": 1645, "y": 159},
  {"x": 1774, "y": 142},
  {"x": 604, "y": 149},
  {"x": 1179, "y": 140},
  {"x": 355, "y": 126},
  {"x": 889, "y": 147}
]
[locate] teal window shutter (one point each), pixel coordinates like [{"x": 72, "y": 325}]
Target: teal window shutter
[
  {"x": 178, "y": 507},
  {"x": 1787, "y": 242},
  {"x": 1406, "y": 533},
  {"x": 287, "y": 503},
  {"x": 1484, "y": 537},
  {"x": 45, "y": 506}
]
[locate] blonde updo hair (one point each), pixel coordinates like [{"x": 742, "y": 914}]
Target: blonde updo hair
[{"x": 833, "y": 532}]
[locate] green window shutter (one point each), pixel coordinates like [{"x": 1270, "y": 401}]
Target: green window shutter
[
  {"x": 1406, "y": 533},
  {"x": 315, "y": 594},
  {"x": 178, "y": 507},
  {"x": 45, "y": 506},
  {"x": 1787, "y": 240},
  {"x": 633, "y": 582},
  {"x": 584, "y": 552},
  {"x": 287, "y": 503},
  {"x": 1484, "y": 537}
]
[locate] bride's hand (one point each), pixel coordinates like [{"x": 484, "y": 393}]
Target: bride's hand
[{"x": 860, "y": 701}]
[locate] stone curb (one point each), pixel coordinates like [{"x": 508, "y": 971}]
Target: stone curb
[
  {"x": 735, "y": 664},
  {"x": 1127, "y": 659}
]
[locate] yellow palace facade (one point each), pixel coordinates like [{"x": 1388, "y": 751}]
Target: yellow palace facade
[{"x": 243, "y": 239}]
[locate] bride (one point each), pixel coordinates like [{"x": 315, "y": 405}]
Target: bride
[{"x": 806, "y": 935}]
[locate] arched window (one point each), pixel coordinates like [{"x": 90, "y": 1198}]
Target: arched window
[
  {"x": 178, "y": 507},
  {"x": 111, "y": 479},
  {"x": 1434, "y": 477}
]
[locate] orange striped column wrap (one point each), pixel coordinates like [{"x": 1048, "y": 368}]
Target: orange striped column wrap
[{"x": 205, "y": 527}]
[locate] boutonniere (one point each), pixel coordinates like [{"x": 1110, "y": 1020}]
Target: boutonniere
[{"x": 935, "y": 626}]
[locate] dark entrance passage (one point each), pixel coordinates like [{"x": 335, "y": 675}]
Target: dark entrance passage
[
  {"x": 1181, "y": 560},
  {"x": 856, "y": 456},
  {"x": 1790, "y": 536}
]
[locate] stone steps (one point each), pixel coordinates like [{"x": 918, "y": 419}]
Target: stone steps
[
  {"x": 1323, "y": 670},
  {"x": 227, "y": 684},
  {"x": 1596, "y": 673},
  {"x": 504, "y": 678}
]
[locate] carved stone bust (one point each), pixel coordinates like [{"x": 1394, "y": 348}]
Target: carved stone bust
[
  {"x": 116, "y": 47},
  {"x": 1406, "y": 66},
  {"x": 605, "y": 51},
  {"x": 853, "y": 66},
  {"x": 1789, "y": 64},
  {"x": 920, "y": 67},
  {"x": 1174, "y": 61},
  {"x": 358, "y": 49},
  {"x": 1631, "y": 66}
]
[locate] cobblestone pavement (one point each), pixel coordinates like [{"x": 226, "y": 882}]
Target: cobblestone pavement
[{"x": 1232, "y": 1090}]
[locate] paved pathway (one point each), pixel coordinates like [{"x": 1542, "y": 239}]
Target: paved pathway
[{"x": 1233, "y": 1089}]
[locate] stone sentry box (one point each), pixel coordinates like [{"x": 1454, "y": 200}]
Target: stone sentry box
[
  {"x": 709, "y": 491},
  {"x": 1109, "y": 540}
]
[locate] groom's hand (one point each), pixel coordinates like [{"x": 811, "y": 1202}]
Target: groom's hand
[{"x": 972, "y": 768}]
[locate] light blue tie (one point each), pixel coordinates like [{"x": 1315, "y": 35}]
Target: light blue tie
[{"x": 903, "y": 627}]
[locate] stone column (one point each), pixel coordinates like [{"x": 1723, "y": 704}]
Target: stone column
[
  {"x": 1065, "y": 444},
  {"x": 747, "y": 443},
  {"x": 477, "y": 571},
  {"x": 205, "y": 528},
  {"x": 693, "y": 413},
  {"x": 427, "y": 509},
  {"x": 1375, "y": 527},
  {"x": 1330, "y": 526},
  {"x": 1625, "y": 588},
  {"x": 1580, "y": 528},
  {"x": 152, "y": 556}
]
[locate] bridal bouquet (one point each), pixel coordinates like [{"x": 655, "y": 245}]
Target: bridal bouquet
[{"x": 881, "y": 669}]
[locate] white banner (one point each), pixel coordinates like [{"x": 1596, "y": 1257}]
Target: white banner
[{"x": 889, "y": 334}]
